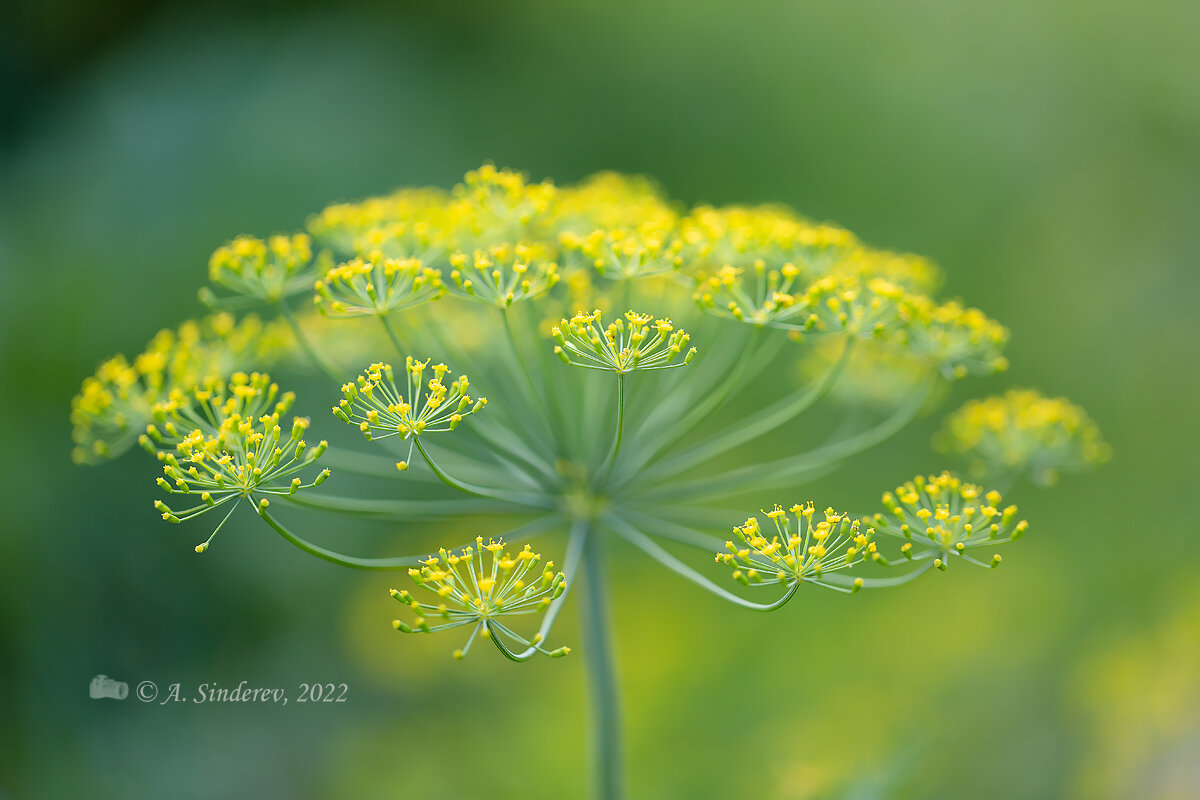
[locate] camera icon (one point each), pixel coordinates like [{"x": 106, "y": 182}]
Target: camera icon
[{"x": 104, "y": 686}]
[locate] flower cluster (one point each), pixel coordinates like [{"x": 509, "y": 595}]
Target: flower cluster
[
  {"x": 406, "y": 224},
  {"x": 224, "y": 445},
  {"x": 481, "y": 591},
  {"x": 789, "y": 313},
  {"x": 740, "y": 236},
  {"x": 940, "y": 516},
  {"x": 503, "y": 274},
  {"x": 633, "y": 342},
  {"x": 377, "y": 286},
  {"x": 265, "y": 270},
  {"x": 494, "y": 206},
  {"x": 913, "y": 273},
  {"x": 803, "y": 553},
  {"x": 1024, "y": 430},
  {"x": 114, "y": 405},
  {"x": 644, "y": 251},
  {"x": 759, "y": 286},
  {"x": 377, "y": 406},
  {"x": 961, "y": 341}
]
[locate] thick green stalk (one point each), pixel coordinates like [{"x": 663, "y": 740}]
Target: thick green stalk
[
  {"x": 519, "y": 498},
  {"x": 335, "y": 557},
  {"x": 608, "y": 778}
]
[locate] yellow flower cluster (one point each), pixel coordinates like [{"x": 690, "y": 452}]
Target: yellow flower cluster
[
  {"x": 224, "y": 445},
  {"x": 503, "y": 274},
  {"x": 641, "y": 252},
  {"x": 1024, "y": 430},
  {"x": 739, "y": 236},
  {"x": 803, "y": 553},
  {"x": 266, "y": 270},
  {"x": 212, "y": 401},
  {"x": 959, "y": 340},
  {"x": 376, "y": 286},
  {"x": 495, "y": 206},
  {"x": 405, "y": 224},
  {"x": 610, "y": 200},
  {"x": 867, "y": 308},
  {"x": 114, "y": 405},
  {"x": 634, "y": 342},
  {"x": 376, "y": 406},
  {"x": 941, "y": 516},
  {"x": 911, "y": 272},
  {"x": 501, "y": 238},
  {"x": 478, "y": 590}
]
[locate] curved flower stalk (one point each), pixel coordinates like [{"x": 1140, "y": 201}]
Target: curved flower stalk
[
  {"x": 481, "y": 592},
  {"x": 940, "y": 517},
  {"x": 1024, "y": 431},
  {"x": 507, "y": 257}
]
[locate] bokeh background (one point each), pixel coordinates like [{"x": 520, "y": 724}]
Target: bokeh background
[{"x": 1047, "y": 155}]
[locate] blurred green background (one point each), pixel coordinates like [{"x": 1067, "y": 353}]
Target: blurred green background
[{"x": 1047, "y": 155}]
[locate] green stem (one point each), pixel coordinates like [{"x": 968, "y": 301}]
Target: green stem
[
  {"x": 659, "y": 554},
  {"x": 882, "y": 583},
  {"x": 596, "y": 632},
  {"x": 749, "y": 428},
  {"x": 335, "y": 557},
  {"x": 401, "y": 348},
  {"x": 520, "y": 498},
  {"x": 305, "y": 345},
  {"x": 536, "y": 395},
  {"x": 626, "y": 291},
  {"x": 578, "y": 536},
  {"x": 401, "y": 509},
  {"x": 616, "y": 448},
  {"x": 784, "y": 470},
  {"x": 666, "y": 425}
]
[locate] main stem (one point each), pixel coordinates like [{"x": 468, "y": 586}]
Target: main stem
[{"x": 608, "y": 780}]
